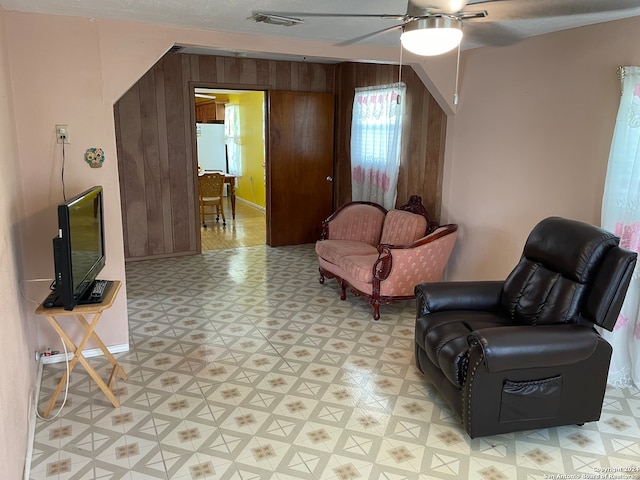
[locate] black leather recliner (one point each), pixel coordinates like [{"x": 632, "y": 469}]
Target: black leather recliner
[{"x": 524, "y": 354}]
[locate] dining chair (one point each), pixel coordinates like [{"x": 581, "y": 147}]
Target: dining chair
[{"x": 211, "y": 188}]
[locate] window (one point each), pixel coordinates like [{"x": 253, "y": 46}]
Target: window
[
  {"x": 232, "y": 138},
  {"x": 376, "y": 134}
]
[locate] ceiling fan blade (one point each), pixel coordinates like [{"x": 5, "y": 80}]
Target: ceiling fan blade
[
  {"x": 469, "y": 14},
  {"x": 369, "y": 35},
  {"x": 488, "y": 34},
  {"x": 388, "y": 16},
  {"x": 501, "y": 10}
]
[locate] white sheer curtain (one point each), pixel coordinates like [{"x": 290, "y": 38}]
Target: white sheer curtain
[
  {"x": 621, "y": 215},
  {"x": 376, "y": 133},
  {"x": 232, "y": 135}
]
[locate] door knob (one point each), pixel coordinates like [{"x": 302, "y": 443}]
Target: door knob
[{"x": 329, "y": 178}]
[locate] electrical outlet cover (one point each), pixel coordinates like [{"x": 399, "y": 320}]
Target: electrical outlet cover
[{"x": 62, "y": 134}]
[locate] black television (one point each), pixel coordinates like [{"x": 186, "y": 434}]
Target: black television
[{"x": 79, "y": 250}]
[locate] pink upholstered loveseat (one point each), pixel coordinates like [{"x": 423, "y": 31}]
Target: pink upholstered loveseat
[{"x": 382, "y": 255}]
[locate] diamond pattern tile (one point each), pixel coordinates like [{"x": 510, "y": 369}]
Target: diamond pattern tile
[{"x": 242, "y": 366}]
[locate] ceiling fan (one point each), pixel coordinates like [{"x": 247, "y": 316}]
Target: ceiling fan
[{"x": 433, "y": 27}]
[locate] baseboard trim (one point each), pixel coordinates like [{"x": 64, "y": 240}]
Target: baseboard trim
[
  {"x": 61, "y": 357},
  {"x": 91, "y": 352},
  {"x": 251, "y": 204}
]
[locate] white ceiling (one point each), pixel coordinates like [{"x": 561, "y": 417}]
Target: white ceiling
[{"x": 508, "y": 20}]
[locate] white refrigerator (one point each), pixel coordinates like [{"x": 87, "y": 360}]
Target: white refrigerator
[{"x": 211, "y": 148}]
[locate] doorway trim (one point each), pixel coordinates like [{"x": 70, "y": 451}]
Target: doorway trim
[{"x": 194, "y": 146}]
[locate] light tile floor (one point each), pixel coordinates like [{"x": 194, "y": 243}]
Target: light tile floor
[{"x": 242, "y": 366}]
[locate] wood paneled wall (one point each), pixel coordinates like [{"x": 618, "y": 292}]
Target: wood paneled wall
[
  {"x": 154, "y": 136},
  {"x": 155, "y": 141},
  {"x": 153, "y": 130},
  {"x": 423, "y": 135}
]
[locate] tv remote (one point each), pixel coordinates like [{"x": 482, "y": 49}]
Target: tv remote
[
  {"x": 98, "y": 288},
  {"x": 52, "y": 300}
]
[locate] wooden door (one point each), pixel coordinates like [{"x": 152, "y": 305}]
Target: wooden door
[{"x": 300, "y": 166}]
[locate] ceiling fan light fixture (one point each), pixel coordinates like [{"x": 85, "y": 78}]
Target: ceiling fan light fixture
[{"x": 432, "y": 35}]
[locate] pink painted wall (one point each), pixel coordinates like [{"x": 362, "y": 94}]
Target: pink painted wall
[
  {"x": 531, "y": 139},
  {"x": 49, "y": 89},
  {"x": 17, "y": 373}
]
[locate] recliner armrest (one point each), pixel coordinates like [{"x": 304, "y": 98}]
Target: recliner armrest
[
  {"x": 439, "y": 296},
  {"x": 535, "y": 346}
]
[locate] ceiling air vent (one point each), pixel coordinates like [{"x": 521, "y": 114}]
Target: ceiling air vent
[{"x": 273, "y": 19}]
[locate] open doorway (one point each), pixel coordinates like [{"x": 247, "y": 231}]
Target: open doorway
[{"x": 230, "y": 138}]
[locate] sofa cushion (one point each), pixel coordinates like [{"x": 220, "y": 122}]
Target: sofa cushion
[
  {"x": 402, "y": 228},
  {"x": 360, "y": 267},
  {"x": 334, "y": 251},
  {"x": 359, "y": 222}
]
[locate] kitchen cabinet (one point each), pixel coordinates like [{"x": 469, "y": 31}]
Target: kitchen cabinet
[{"x": 209, "y": 111}]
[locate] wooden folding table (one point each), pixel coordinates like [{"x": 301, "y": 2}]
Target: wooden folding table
[{"x": 79, "y": 312}]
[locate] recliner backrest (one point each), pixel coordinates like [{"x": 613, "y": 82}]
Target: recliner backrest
[
  {"x": 559, "y": 264},
  {"x": 610, "y": 288}
]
